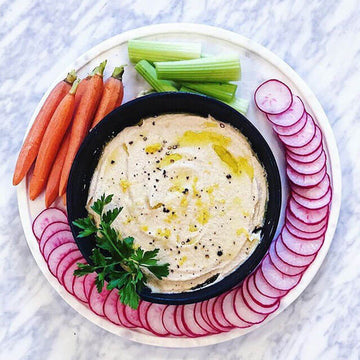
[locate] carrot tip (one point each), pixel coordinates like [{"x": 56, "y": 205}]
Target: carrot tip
[
  {"x": 71, "y": 77},
  {"x": 118, "y": 72},
  {"x": 99, "y": 70},
  {"x": 74, "y": 87}
]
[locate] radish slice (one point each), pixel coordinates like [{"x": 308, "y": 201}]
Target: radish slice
[
  {"x": 283, "y": 266},
  {"x": 303, "y": 226},
  {"x": 306, "y": 215},
  {"x": 305, "y": 235},
  {"x": 243, "y": 310},
  {"x": 180, "y": 324},
  {"x": 306, "y": 158},
  {"x": 276, "y": 278},
  {"x": 212, "y": 319},
  {"x": 305, "y": 180},
  {"x": 201, "y": 321},
  {"x": 88, "y": 284},
  {"x": 291, "y": 116},
  {"x": 204, "y": 313},
  {"x": 110, "y": 305},
  {"x": 154, "y": 319},
  {"x": 168, "y": 320},
  {"x": 142, "y": 309},
  {"x": 310, "y": 147},
  {"x": 96, "y": 300},
  {"x": 308, "y": 168},
  {"x": 228, "y": 310},
  {"x": 292, "y": 129},
  {"x": 78, "y": 288},
  {"x": 54, "y": 241},
  {"x": 65, "y": 262},
  {"x": 264, "y": 310},
  {"x": 132, "y": 316},
  {"x": 218, "y": 312},
  {"x": 273, "y": 97},
  {"x": 315, "y": 192},
  {"x": 301, "y": 138},
  {"x": 301, "y": 246},
  {"x": 120, "y": 307},
  {"x": 313, "y": 204},
  {"x": 264, "y": 287},
  {"x": 58, "y": 254},
  {"x": 50, "y": 230},
  {"x": 289, "y": 257},
  {"x": 46, "y": 217},
  {"x": 189, "y": 321},
  {"x": 68, "y": 276},
  {"x": 257, "y": 296}
]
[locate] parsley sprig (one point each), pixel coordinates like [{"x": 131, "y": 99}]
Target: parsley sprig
[{"x": 116, "y": 259}]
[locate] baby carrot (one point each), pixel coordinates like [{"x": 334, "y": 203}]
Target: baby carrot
[
  {"x": 51, "y": 141},
  {"x": 83, "y": 117},
  {"x": 31, "y": 145},
  {"x": 112, "y": 96}
]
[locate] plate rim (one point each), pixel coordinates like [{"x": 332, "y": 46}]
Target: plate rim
[{"x": 250, "y": 45}]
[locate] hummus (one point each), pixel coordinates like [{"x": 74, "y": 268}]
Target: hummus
[{"x": 190, "y": 186}]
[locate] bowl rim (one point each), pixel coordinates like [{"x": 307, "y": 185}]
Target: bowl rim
[{"x": 243, "y": 270}]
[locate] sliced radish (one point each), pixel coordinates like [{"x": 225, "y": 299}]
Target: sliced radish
[
  {"x": 58, "y": 254},
  {"x": 306, "y": 215},
  {"x": 315, "y": 192},
  {"x": 308, "y": 168},
  {"x": 96, "y": 299},
  {"x": 78, "y": 288},
  {"x": 88, "y": 283},
  {"x": 306, "y": 158},
  {"x": 276, "y": 278},
  {"x": 314, "y": 204},
  {"x": 291, "y": 258},
  {"x": 68, "y": 276},
  {"x": 257, "y": 296},
  {"x": 142, "y": 309},
  {"x": 201, "y": 321},
  {"x": 204, "y": 313},
  {"x": 168, "y": 320},
  {"x": 189, "y": 320},
  {"x": 120, "y": 307},
  {"x": 132, "y": 316},
  {"x": 154, "y": 319},
  {"x": 305, "y": 180},
  {"x": 264, "y": 310},
  {"x": 228, "y": 310},
  {"x": 46, "y": 217},
  {"x": 180, "y": 323},
  {"x": 264, "y": 287},
  {"x": 218, "y": 312},
  {"x": 54, "y": 241},
  {"x": 50, "y": 230},
  {"x": 292, "y": 129},
  {"x": 273, "y": 97},
  {"x": 305, "y": 235},
  {"x": 243, "y": 310},
  {"x": 110, "y": 305},
  {"x": 65, "y": 262},
  {"x": 301, "y": 246},
  {"x": 291, "y": 116},
  {"x": 302, "y": 226},
  {"x": 302, "y": 137},
  {"x": 310, "y": 147},
  {"x": 212, "y": 319}
]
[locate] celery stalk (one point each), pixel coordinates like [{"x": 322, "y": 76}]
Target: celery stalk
[
  {"x": 221, "y": 91},
  {"x": 241, "y": 105},
  {"x": 162, "y": 51},
  {"x": 188, "y": 90},
  {"x": 147, "y": 71},
  {"x": 208, "y": 69}
]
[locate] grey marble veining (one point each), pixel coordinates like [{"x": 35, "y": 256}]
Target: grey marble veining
[{"x": 319, "y": 39}]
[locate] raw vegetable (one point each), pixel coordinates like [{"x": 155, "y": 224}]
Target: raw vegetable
[
  {"x": 221, "y": 91},
  {"x": 125, "y": 267},
  {"x": 162, "y": 51},
  {"x": 112, "y": 95},
  {"x": 31, "y": 145},
  {"x": 147, "y": 71},
  {"x": 83, "y": 117},
  {"x": 209, "y": 69},
  {"x": 51, "y": 142}
]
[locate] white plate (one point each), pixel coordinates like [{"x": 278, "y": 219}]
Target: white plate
[{"x": 258, "y": 64}]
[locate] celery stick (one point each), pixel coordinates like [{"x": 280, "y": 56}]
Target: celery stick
[
  {"x": 147, "y": 71},
  {"x": 162, "y": 51},
  {"x": 209, "y": 69},
  {"x": 221, "y": 91},
  {"x": 188, "y": 90},
  {"x": 241, "y": 105}
]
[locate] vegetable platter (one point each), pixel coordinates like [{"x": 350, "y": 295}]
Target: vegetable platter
[{"x": 291, "y": 152}]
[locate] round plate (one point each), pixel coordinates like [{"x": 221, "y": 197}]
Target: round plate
[{"x": 258, "y": 64}]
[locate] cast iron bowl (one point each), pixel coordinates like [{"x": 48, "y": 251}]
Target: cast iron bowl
[{"x": 156, "y": 104}]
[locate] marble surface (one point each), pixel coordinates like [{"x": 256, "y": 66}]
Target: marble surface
[{"x": 319, "y": 39}]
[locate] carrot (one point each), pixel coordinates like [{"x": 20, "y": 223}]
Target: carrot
[
  {"x": 83, "y": 117},
  {"x": 51, "y": 141},
  {"x": 112, "y": 96},
  {"x": 64, "y": 199},
  {"x": 31, "y": 145},
  {"x": 52, "y": 186}
]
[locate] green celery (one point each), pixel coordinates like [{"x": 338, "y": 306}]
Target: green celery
[
  {"x": 239, "y": 104},
  {"x": 221, "y": 91}
]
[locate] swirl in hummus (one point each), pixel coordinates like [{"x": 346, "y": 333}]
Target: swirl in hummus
[{"x": 190, "y": 186}]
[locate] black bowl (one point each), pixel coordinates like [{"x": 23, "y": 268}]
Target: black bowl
[{"x": 155, "y": 104}]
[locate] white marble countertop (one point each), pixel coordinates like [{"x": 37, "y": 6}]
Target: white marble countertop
[{"x": 319, "y": 39}]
